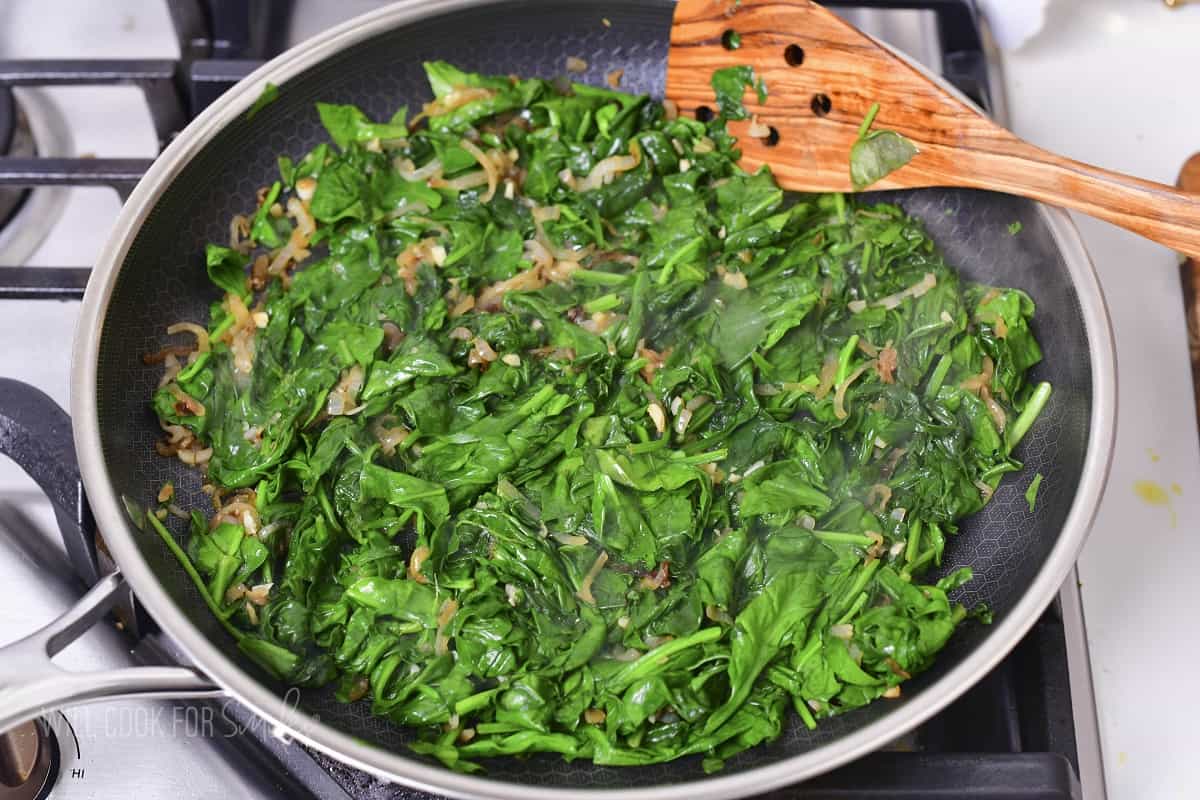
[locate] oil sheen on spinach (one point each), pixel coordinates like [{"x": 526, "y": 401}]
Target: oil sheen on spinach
[{"x": 567, "y": 435}]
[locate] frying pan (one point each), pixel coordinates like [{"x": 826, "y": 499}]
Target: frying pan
[{"x": 150, "y": 275}]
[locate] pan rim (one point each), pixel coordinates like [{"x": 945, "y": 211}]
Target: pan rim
[{"x": 395, "y": 766}]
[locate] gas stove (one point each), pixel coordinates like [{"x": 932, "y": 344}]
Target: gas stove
[{"x": 75, "y": 135}]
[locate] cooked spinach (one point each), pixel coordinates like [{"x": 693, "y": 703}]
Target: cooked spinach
[
  {"x": 538, "y": 425},
  {"x": 730, "y": 84},
  {"x": 269, "y": 94},
  {"x": 1032, "y": 492},
  {"x": 877, "y": 154}
]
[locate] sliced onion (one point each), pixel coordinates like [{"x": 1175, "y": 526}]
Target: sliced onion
[
  {"x": 827, "y": 377},
  {"x": 171, "y": 369},
  {"x": 547, "y": 214},
  {"x": 305, "y": 189},
  {"x": 462, "y": 182},
  {"x": 878, "y": 496},
  {"x": 658, "y": 417},
  {"x": 603, "y": 173},
  {"x": 260, "y": 593},
  {"x": 839, "y": 397},
  {"x": 977, "y": 383},
  {"x": 736, "y": 280},
  {"x": 621, "y": 653},
  {"x": 994, "y": 409},
  {"x": 492, "y": 297},
  {"x": 406, "y": 170},
  {"x": 585, "y": 586},
  {"x": 195, "y": 457},
  {"x": 202, "y": 343},
  {"x": 186, "y": 400},
  {"x": 599, "y": 322},
  {"x": 842, "y": 631},
  {"x": 391, "y": 438},
  {"x": 481, "y": 352},
  {"x": 412, "y": 257},
  {"x": 304, "y": 220},
  {"x": 295, "y": 251},
  {"x": 537, "y": 254},
  {"x": 454, "y": 99},
  {"x": 654, "y": 360},
  {"x": 343, "y": 396},
  {"x": 886, "y": 364},
  {"x": 441, "y": 642},
  {"x": 560, "y": 272},
  {"x": 415, "y": 561},
  {"x": 916, "y": 290},
  {"x": 239, "y": 228}
]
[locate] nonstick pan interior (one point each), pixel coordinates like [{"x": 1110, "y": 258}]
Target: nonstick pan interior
[{"x": 163, "y": 281}]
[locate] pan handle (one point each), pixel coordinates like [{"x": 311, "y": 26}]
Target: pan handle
[
  {"x": 32, "y": 685},
  {"x": 36, "y": 433}
]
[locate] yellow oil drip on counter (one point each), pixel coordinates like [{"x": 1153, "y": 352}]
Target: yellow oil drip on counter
[{"x": 1154, "y": 494}]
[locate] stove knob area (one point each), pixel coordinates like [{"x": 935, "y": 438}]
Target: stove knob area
[{"x": 28, "y": 761}]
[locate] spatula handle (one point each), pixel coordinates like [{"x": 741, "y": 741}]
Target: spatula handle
[
  {"x": 1189, "y": 280},
  {"x": 1159, "y": 212}
]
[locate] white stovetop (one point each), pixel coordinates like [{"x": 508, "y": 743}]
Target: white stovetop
[
  {"x": 1117, "y": 83},
  {"x": 1114, "y": 82}
]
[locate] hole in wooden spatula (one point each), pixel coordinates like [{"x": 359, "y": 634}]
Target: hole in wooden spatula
[
  {"x": 704, "y": 113},
  {"x": 731, "y": 40},
  {"x": 793, "y": 54},
  {"x": 821, "y": 104}
]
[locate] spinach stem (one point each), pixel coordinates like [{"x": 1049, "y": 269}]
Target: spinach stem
[
  {"x": 844, "y": 357},
  {"x": 838, "y": 537},
  {"x": 605, "y": 302},
  {"x": 478, "y": 700},
  {"x": 917, "y": 565},
  {"x": 801, "y": 706},
  {"x": 859, "y": 602},
  {"x": 188, "y": 372},
  {"x": 861, "y": 580},
  {"x": 938, "y": 377},
  {"x": 914, "y": 541},
  {"x": 190, "y": 569},
  {"x": 1037, "y": 401},
  {"x": 657, "y": 657},
  {"x": 869, "y": 120}
]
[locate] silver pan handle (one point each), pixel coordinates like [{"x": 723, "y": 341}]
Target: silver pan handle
[{"x": 31, "y": 684}]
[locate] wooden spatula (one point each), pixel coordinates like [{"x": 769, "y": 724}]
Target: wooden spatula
[{"x": 823, "y": 76}]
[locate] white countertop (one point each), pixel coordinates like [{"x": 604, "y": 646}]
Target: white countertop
[{"x": 1117, "y": 83}]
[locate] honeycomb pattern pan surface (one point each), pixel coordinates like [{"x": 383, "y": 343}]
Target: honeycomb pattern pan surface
[{"x": 152, "y": 275}]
